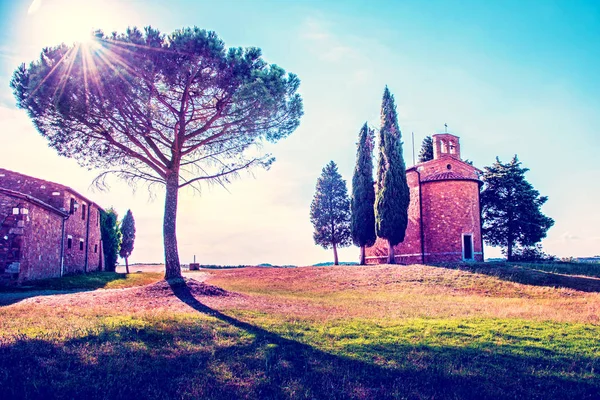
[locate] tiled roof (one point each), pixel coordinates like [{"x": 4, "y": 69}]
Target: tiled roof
[
  {"x": 33, "y": 200},
  {"x": 449, "y": 176},
  {"x": 58, "y": 185}
]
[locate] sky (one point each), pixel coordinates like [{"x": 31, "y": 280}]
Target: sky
[{"x": 508, "y": 77}]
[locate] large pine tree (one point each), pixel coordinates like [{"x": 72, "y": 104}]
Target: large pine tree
[
  {"x": 426, "y": 153},
  {"x": 511, "y": 208},
  {"x": 393, "y": 196},
  {"x": 363, "y": 194},
  {"x": 128, "y": 238},
  {"x": 330, "y": 211}
]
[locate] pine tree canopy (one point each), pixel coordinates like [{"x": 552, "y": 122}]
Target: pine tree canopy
[
  {"x": 128, "y": 235},
  {"x": 330, "y": 209},
  {"x": 426, "y": 153},
  {"x": 511, "y": 207},
  {"x": 363, "y": 191},
  {"x": 393, "y": 196},
  {"x": 176, "y": 110}
]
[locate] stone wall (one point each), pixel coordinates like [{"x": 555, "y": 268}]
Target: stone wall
[
  {"x": 29, "y": 240},
  {"x": 450, "y": 209},
  {"x": 41, "y": 245},
  {"x": 11, "y": 237},
  {"x": 82, "y": 223}
]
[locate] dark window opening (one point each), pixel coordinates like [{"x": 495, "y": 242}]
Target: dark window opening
[
  {"x": 468, "y": 247},
  {"x": 69, "y": 243},
  {"x": 81, "y": 245},
  {"x": 72, "y": 207},
  {"x": 83, "y": 211},
  {"x": 449, "y": 166},
  {"x": 95, "y": 248}
]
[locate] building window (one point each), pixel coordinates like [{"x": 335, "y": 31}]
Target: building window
[
  {"x": 80, "y": 244},
  {"x": 95, "y": 248},
  {"x": 69, "y": 243},
  {"x": 72, "y": 206},
  {"x": 83, "y": 211}
]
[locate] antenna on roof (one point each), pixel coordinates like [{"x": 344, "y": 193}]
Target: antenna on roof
[
  {"x": 445, "y": 127},
  {"x": 413, "y": 143}
]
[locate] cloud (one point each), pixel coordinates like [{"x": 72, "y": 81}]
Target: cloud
[
  {"x": 325, "y": 44},
  {"x": 569, "y": 237}
]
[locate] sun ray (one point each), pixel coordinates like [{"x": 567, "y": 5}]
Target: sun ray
[{"x": 65, "y": 75}]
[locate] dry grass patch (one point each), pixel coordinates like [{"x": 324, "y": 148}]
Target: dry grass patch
[{"x": 404, "y": 292}]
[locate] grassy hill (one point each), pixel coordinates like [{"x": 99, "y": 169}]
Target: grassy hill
[{"x": 479, "y": 331}]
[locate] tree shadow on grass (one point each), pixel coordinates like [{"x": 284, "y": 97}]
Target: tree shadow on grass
[
  {"x": 528, "y": 275},
  {"x": 226, "y": 358}
]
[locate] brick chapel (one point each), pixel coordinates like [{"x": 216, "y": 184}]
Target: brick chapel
[
  {"x": 444, "y": 215},
  {"x": 47, "y": 230}
]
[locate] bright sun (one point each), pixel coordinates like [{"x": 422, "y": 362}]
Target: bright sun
[{"x": 71, "y": 21}]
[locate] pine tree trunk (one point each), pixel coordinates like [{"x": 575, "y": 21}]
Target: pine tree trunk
[
  {"x": 362, "y": 255},
  {"x": 172, "y": 267},
  {"x": 127, "y": 265},
  {"x": 335, "y": 255},
  {"x": 509, "y": 251},
  {"x": 391, "y": 255}
]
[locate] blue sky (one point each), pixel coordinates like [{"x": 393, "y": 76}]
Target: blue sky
[{"x": 508, "y": 77}]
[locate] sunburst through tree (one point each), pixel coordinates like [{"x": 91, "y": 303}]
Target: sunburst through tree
[{"x": 175, "y": 110}]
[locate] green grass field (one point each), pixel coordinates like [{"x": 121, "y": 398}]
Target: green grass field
[{"x": 474, "y": 331}]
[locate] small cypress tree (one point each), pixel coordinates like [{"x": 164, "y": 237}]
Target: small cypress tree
[
  {"x": 111, "y": 237},
  {"x": 330, "y": 211},
  {"x": 128, "y": 237},
  {"x": 393, "y": 196},
  {"x": 426, "y": 153},
  {"x": 363, "y": 194}
]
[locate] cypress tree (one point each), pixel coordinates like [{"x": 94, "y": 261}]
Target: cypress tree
[
  {"x": 128, "y": 239},
  {"x": 393, "y": 196},
  {"x": 330, "y": 211},
  {"x": 363, "y": 194},
  {"x": 426, "y": 153},
  {"x": 111, "y": 237}
]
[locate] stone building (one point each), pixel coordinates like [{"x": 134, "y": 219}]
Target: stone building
[
  {"x": 444, "y": 211},
  {"x": 46, "y": 229}
]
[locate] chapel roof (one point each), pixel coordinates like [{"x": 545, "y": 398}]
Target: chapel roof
[{"x": 450, "y": 176}]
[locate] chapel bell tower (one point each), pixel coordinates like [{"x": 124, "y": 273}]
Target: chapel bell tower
[{"x": 445, "y": 145}]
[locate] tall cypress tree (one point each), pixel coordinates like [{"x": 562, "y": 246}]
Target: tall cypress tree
[
  {"x": 363, "y": 194},
  {"x": 426, "y": 153},
  {"x": 330, "y": 211},
  {"x": 128, "y": 239},
  {"x": 393, "y": 196}
]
